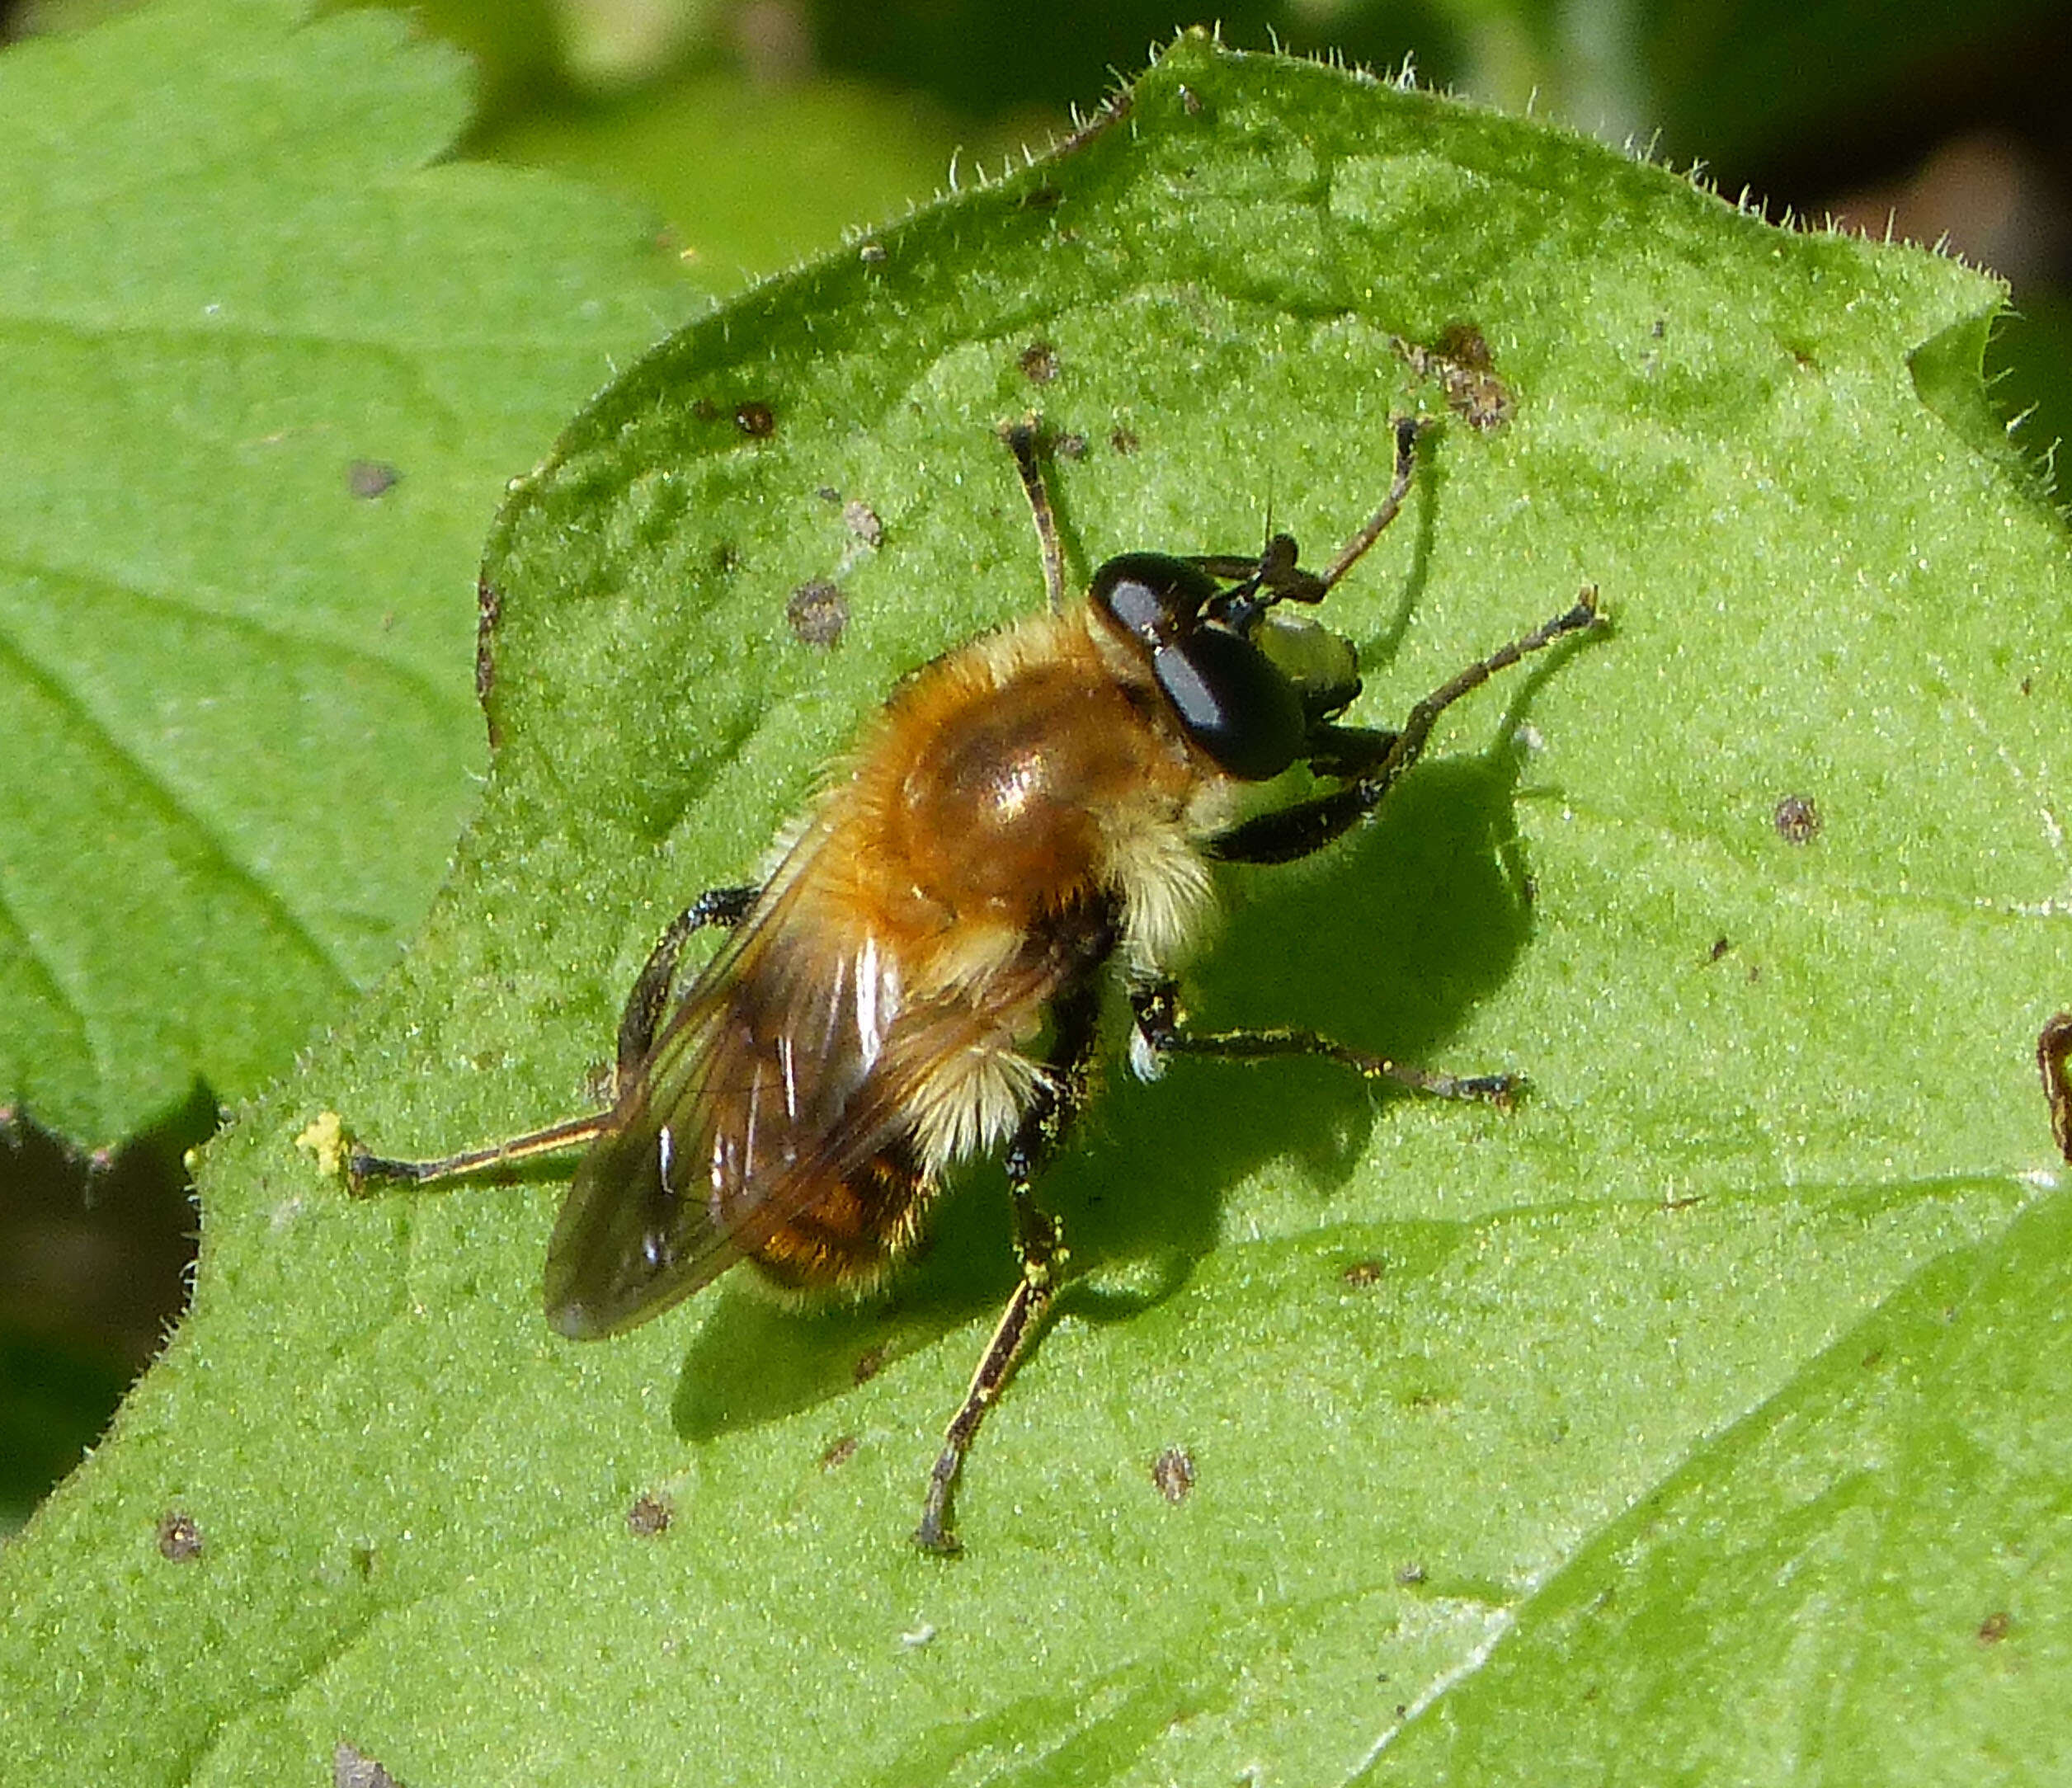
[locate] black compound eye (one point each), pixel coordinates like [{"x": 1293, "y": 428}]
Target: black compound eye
[
  {"x": 1156, "y": 598},
  {"x": 1235, "y": 705}
]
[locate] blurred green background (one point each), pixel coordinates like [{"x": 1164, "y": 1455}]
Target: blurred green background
[{"x": 756, "y": 132}]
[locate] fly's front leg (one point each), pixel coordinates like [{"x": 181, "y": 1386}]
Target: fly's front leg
[
  {"x": 638, "y": 1023},
  {"x": 1376, "y": 761},
  {"x": 1024, "y": 439},
  {"x": 1161, "y": 1033},
  {"x": 1038, "y": 1242}
]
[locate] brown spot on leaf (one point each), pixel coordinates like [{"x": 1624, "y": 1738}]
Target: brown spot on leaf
[
  {"x": 816, "y": 613},
  {"x": 2054, "y": 1061},
  {"x": 350, "y": 1768},
  {"x": 1173, "y": 1471},
  {"x": 1797, "y": 820},
  {"x": 862, "y": 520},
  {"x": 179, "y": 1537},
  {"x": 650, "y": 1515},
  {"x": 1461, "y": 361},
  {"x": 489, "y": 610}
]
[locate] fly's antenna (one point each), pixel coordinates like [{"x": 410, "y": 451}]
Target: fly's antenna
[
  {"x": 1023, "y": 441},
  {"x": 1407, "y": 429}
]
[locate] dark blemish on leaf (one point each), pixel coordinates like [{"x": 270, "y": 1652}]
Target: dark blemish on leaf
[
  {"x": 840, "y": 1453},
  {"x": 1044, "y": 198},
  {"x": 1872, "y": 1361},
  {"x": 367, "y": 479},
  {"x": 1797, "y": 820},
  {"x": 870, "y": 1363},
  {"x": 650, "y": 1516},
  {"x": 828, "y": 494},
  {"x": 179, "y": 1538},
  {"x": 862, "y": 521},
  {"x": 704, "y": 410},
  {"x": 365, "y": 1562},
  {"x": 1466, "y": 370},
  {"x": 1069, "y": 446},
  {"x": 1683, "y": 1203},
  {"x": 1362, "y": 1273},
  {"x": 1993, "y": 1628},
  {"x": 817, "y": 613},
  {"x": 1466, "y": 346},
  {"x": 1173, "y": 1471},
  {"x": 351, "y": 1767},
  {"x": 1039, "y": 363},
  {"x": 489, "y": 610},
  {"x": 755, "y": 419},
  {"x": 1190, "y": 103},
  {"x": 1721, "y": 947},
  {"x": 1123, "y": 441},
  {"x": 725, "y": 558},
  {"x": 2054, "y": 1061}
]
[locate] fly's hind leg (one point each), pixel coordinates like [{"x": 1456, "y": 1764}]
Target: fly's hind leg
[
  {"x": 1161, "y": 1033},
  {"x": 364, "y": 1170},
  {"x": 645, "y": 1005},
  {"x": 1038, "y": 1242},
  {"x": 649, "y": 1000}
]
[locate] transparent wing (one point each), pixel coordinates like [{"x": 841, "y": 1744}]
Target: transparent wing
[{"x": 768, "y": 1085}]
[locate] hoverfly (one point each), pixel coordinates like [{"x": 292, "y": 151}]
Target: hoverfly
[{"x": 918, "y": 978}]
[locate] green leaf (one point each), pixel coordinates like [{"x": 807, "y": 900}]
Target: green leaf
[
  {"x": 1699, "y": 1420},
  {"x": 267, "y": 370},
  {"x": 752, "y": 178}
]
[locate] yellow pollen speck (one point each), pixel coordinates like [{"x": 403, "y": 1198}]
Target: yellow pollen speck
[{"x": 325, "y": 1138}]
